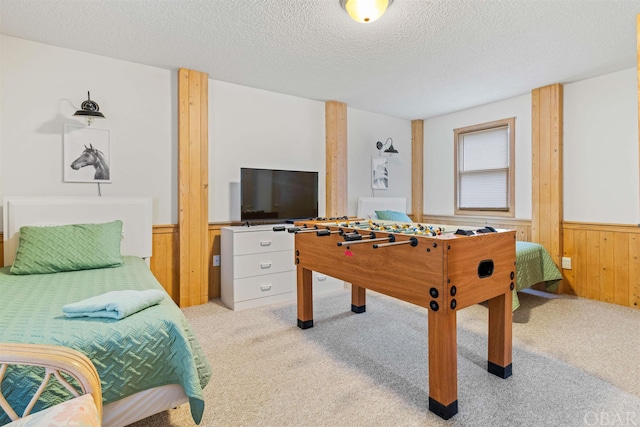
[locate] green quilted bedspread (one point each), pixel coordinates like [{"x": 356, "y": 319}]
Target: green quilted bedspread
[
  {"x": 534, "y": 265},
  {"x": 151, "y": 348}
]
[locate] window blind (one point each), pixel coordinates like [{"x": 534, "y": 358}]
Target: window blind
[{"x": 483, "y": 168}]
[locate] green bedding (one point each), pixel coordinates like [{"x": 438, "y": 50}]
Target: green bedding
[
  {"x": 534, "y": 265},
  {"x": 151, "y": 348}
]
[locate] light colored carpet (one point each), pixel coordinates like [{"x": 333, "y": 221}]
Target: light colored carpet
[{"x": 576, "y": 362}]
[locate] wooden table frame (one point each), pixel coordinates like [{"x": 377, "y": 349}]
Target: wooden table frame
[{"x": 443, "y": 274}]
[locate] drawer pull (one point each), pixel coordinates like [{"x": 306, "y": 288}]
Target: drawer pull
[
  {"x": 265, "y": 265},
  {"x": 266, "y": 287},
  {"x": 322, "y": 278},
  {"x": 265, "y": 242}
]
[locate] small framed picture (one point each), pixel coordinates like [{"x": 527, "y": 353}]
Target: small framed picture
[
  {"x": 87, "y": 155},
  {"x": 379, "y": 173}
]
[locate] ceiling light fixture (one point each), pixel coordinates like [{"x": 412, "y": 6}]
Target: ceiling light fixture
[
  {"x": 391, "y": 149},
  {"x": 89, "y": 110},
  {"x": 365, "y": 11}
]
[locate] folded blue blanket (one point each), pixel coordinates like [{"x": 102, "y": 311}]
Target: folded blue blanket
[{"x": 114, "y": 304}]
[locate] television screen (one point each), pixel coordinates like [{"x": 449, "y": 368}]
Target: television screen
[{"x": 268, "y": 194}]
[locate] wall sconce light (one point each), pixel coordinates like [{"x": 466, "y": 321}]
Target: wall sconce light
[
  {"x": 391, "y": 149},
  {"x": 365, "y": 11},
  {"x": 89, "y": 110}
]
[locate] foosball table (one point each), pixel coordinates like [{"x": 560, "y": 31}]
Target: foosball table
[{"x": 422, "y": 265}]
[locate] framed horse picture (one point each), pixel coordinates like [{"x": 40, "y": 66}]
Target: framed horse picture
[{"x": 87, "y": 155}]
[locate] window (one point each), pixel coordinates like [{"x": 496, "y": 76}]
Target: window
[{"x": 484, "y": 169}]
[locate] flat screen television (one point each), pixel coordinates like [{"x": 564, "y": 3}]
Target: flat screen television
[{"x": 278, "y": 195}]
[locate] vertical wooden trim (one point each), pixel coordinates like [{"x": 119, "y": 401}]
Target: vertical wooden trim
[
  {"x": 417, "y": 169},
  {"x": 336, "y": 152},
  {"x": 193, "y": 186},
  {"x": 546, "y": 142}
]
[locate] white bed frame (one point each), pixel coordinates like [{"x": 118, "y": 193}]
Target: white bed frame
[
  {"x": 367, "y": 206},
  {"x": 136, "y": 216}
]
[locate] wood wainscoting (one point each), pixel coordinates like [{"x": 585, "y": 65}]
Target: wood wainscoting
[
  {"x": 605, "y": 262},
  {"x": 605, "y": 258},
  {"x": 165, "y": 261}
]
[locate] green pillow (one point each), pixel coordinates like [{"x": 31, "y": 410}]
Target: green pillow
[
  {"x": 393, "y": 216},
  {"x": 68, "y": 248}
]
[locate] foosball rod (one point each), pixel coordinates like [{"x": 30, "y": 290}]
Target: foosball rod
[
  {"x": 413, "y": 241},
  {"x": 369, "y": 239},
  {"x": 328, "y": 232},
  {"x": 301, "y": 230}
]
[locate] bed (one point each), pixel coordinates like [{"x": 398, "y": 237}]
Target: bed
[
  {"x": 533, "y": 263},
  {"x": 148, "y": 362}
]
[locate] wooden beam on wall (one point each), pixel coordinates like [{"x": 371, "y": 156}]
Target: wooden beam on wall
[
  {"x": 546, "y": 168},
  {"x": 336, "y": 149},
  {"x": 193, "y": 182},
  {"x": 417, "y": 169}
]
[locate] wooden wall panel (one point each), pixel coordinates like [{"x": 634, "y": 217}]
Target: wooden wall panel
[
  {"x": 336, "y": 149},
  {"x": 417, "y": 169},
  {"x": 193, "y": 182},
  {"x": 620, "y": 275},
  {"x": 214, "y": 249},
  {"x": 634, "y": 271},
  {"x": 605, "y": 262},
  {"x": 164, "y": 262},
  {"x": 546, "y": 157},
  {"x": 605, "y": 257}
]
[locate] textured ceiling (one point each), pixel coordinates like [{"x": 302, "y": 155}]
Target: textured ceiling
[{"x": 423, "y": 58}]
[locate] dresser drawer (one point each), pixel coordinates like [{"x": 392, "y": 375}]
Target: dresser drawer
[
  {"x": 266, "y": 263},
  {"x": 264, "y": 286},
  {"x": 255, "y": 242}
]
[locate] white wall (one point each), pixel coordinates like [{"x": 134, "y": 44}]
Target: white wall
[
  {"x": 363, "y": 131},
  {"x": 601, "y": 149},
  {"x": 256, "y": 128},
  {"x": 439, "y": 153},
  {"x": 260, "y": 129},
  {"x": 42, "y": 86}
]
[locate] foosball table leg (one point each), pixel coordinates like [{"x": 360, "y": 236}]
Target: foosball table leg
[
  {"x": 305, "y": 298},
  {"x": 443, "y": 364},
  {"x": 500, "y": 335},
  {"x": 358, "y": 299}
]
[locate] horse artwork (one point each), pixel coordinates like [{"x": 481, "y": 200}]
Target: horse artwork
[
  {"x": 87, "y": 155},
  {"x": 93, "y": 157}
]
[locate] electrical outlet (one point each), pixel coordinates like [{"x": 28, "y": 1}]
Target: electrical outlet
[
  {"x": 566, "y": 263},
  {"x": 216, "y": 260}
]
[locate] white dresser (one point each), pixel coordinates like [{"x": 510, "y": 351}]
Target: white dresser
[{"x": 258, "y": 267}]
